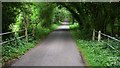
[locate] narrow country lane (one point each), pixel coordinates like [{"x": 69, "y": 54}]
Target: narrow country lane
[{"x": 58, "y": 49}]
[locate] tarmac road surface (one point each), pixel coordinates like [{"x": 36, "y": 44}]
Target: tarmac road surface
[{"x": 58, "y": 49}]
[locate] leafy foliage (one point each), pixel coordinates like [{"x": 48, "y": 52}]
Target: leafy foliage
[
  {"x": 41, "y": 18},
  {"x": 19, "y": 47},
  {"x": 97, "y": 53},
  {"x": 28, "y": 16},
  {"x": 16, "y": 49},
  {"x": 74, "y": 26},
  {"x": 96, "y": 16}
]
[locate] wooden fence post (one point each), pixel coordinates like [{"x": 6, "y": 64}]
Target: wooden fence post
[
  {"x": 15, "y": 38},
  {"x": 26, "y": 33},
  {"x": 99, "y": 35},
  {"x": 93, "y": 37}
]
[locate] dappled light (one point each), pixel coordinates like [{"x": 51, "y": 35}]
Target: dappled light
[{"x": 60, "y": 34}]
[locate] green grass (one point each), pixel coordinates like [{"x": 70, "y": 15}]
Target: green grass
[{"x": 96, "y": 53}]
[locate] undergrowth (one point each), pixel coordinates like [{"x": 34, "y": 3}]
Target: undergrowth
[
  {"x": 96, "y": 53},
  {"x": 16, "y": 49}
]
